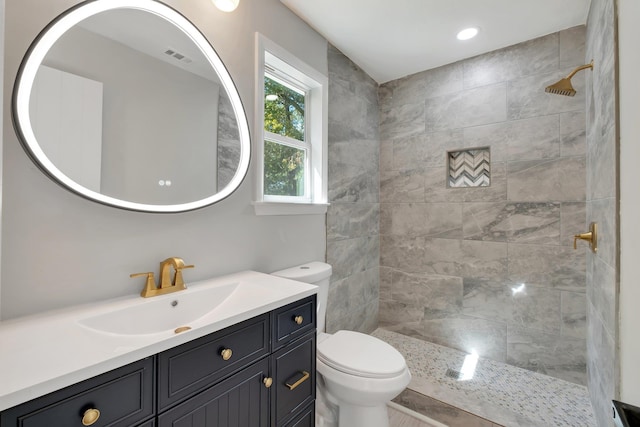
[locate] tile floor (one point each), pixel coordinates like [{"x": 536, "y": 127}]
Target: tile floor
[{"x": 496, "y": 393}]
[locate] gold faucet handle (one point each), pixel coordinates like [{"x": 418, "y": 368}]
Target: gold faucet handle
[
  {"x": 178, "y": 280},
  {"x": 150, "y": 285}
]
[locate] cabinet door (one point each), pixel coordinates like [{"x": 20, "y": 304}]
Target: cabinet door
[
  {"x": 294, "y": 375},
  {"x": 239, "y": 401}
]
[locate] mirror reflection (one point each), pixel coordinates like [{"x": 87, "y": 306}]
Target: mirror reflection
[{"x": 126, "y": 105}]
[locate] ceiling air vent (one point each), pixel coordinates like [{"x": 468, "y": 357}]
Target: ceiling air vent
[{"x": 178, "y": 56}]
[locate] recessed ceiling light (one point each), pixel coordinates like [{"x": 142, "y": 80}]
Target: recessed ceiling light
[{"x": 468, "y": 33}]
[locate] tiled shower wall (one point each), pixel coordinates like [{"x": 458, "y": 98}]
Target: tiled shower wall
[
  {"x": 353, "y": 239},
  {"x": 602, "y": 167},
  {"x": 490, "y": 270}
]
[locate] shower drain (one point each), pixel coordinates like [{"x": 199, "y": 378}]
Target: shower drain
[{"x": 452, "y": 373}]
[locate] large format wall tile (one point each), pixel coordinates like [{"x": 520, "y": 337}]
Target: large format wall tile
[
  {"x": 512, "y": 222},
  {"x": 531, "y": 57},
  {"x": 547, "y": 180},
  {"x": 350, "y": 178},
  {"x": 573, "y": 220},
  {"x": 418, "y": 87},
  {"x": 426, "y": 219},
  {"x": 527, "y": 98},
  {"x": 574, "y": 315},
  {"x": 554, "y": 266},
  {"x": 467, "y": 108},
  {"x": 573, "y": 133},
  {"x": 527, "y": 139},
  {"x": 349, "y": 220},
  {"x": 506, "y": 247},
  {"x": 426, "y": 149},
  {"x": 353, "y": 216},
  {"x": 549, "y": 354}
]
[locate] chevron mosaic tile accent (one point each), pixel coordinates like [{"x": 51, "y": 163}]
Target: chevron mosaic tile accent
[{"x": 469, "y": 168}]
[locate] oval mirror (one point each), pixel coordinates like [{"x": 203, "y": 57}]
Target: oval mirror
[{"x": 126, "y": 103}]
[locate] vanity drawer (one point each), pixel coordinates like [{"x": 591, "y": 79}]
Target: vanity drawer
[
  {"x": 123, "y": 397},
  {"x": 293, "y": 321},
  {"x": 293, "y": 370},
  {"x": 194, "y": 366}
]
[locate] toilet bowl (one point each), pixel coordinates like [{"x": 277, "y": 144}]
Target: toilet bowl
[{"x": 358, "y": 374}]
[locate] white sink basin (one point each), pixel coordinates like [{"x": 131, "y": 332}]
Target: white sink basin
[{"x": 161, "y": 313}]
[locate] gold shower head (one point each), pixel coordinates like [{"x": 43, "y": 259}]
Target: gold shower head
[{"x": 564, "y": 87}]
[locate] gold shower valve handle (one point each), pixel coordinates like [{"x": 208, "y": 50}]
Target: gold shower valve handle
[
  {"x": 226, "y": 354},
  {"x": 90, "y": 416},
  {"x": 591, "y": 236}
]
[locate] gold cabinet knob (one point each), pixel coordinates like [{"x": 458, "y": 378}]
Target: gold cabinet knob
[
  {"x": 298, "y": 320},
  {"x": 226, "y": 354},
  {"x": 90, "y": 416},
  {"x": 268, "y": 381}
]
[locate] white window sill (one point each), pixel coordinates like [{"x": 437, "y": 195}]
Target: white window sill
[{"x": 278, "y": 208}]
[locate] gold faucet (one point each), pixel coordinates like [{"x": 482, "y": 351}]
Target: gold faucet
[{"x": 167, "y": 285}]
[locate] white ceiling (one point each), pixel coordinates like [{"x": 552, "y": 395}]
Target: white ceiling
[{"x": 390, "y": 39}]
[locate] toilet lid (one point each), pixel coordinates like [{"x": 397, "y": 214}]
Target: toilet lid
[{"x": 360, "y": 354}]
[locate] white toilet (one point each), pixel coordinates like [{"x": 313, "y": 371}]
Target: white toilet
[{"x": 358, "y": 373}]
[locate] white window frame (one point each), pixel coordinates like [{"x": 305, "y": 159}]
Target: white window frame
[{"x": 285, "y": 68}]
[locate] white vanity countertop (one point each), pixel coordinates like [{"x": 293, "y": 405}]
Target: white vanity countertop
[{"x": 44, "y": 353}]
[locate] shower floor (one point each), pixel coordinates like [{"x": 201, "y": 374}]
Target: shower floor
[{"x": 504, "y": 394}]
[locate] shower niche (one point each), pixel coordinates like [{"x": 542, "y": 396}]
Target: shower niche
[{"x": 470, "y": 167}]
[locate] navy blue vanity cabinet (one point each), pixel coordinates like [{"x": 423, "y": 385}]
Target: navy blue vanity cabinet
[
  {"x": 123, "y": 397},
  {"x": 241, "y": 400},
  {"x": 307, "y": 418},
  {"x": 258, "y": 373},
  {"x": 190, "y": 368},
  {"x": 293, "y": 363},
  {"x": 294, "y": 386}
]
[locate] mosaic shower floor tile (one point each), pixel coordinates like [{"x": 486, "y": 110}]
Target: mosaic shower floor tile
[{"x": 502, "y": 393}]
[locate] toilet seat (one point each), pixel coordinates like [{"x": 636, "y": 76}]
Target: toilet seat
[{"x": 361, "y": 355}]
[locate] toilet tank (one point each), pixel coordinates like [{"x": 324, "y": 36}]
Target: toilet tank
[{"x": 316, "y": 273}]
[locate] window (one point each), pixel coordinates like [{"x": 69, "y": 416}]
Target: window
[{"x": 290, "y": 136}]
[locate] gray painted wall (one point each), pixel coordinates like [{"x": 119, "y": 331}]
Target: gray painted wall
[
  {"x": 453, "y": 260},
  {"x": 602, "y": 207},
  {"x": 352, "y": 219},
  {"x": 59, "y": 250}
]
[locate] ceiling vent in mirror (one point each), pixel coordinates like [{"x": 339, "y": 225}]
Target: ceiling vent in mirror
[{"x": 178, "y": 56}]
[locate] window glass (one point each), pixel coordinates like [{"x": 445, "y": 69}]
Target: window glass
[
  {"x": 283, "y": 110},
  {"x": 284, "y": 169}
]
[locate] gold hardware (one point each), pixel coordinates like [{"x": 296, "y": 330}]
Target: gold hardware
[
  {"x": 305, "y": 376},
  {"x": 267, "y": 382},
  {"x": 298, "y": 320},
  {"x": 90, "y": 416},
  {"x": 182, "y": 329},
  {"x": 166, "y": 285},
  {"x": 150, "y": 285},
  {"x": 591, "y": 236},
  {"x": 564, "y": 87},
  {"x": 226, "y": 354}
]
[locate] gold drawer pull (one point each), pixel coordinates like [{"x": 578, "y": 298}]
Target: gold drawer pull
[
  {"x": 226, "y": 354},
  {"x": 90, "y": 416},
  {"x": 305, "y": 376},
  {"x": 268, "y": 381},
  {"x": 298, "y": 320}
]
